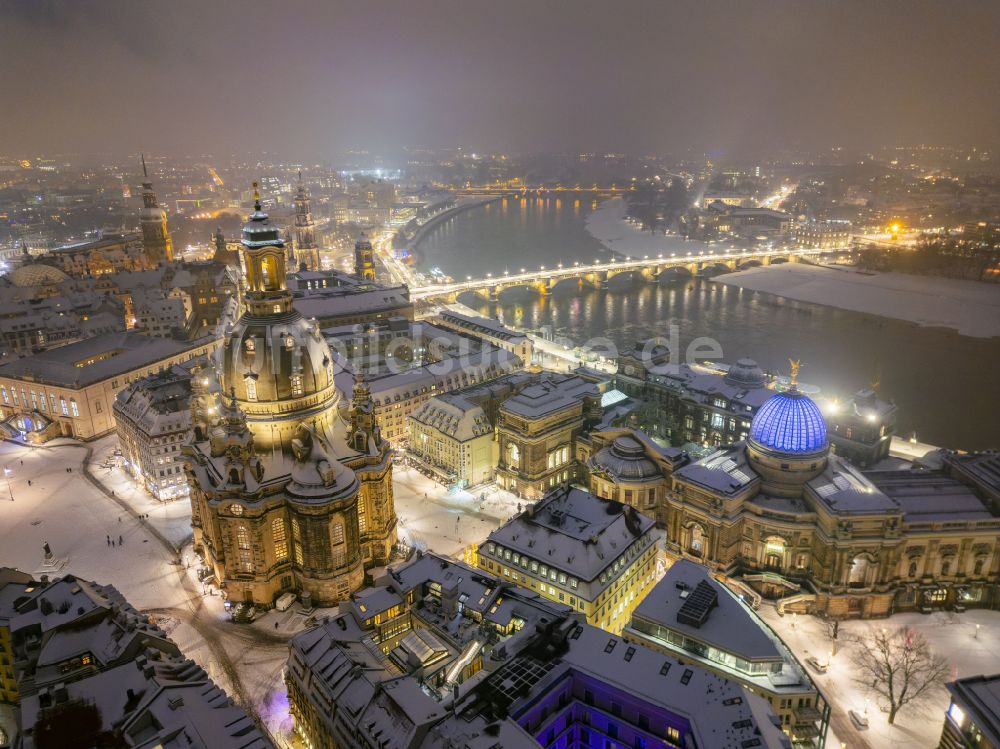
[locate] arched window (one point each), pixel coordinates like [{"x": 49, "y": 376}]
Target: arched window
[
  {"x": 243, "y": 544},
  {"x": 860, "y": 567},
  {"x": 513, "y": 455},
  {"x": 698, "y": 540},
  {"x": 280, "y": 538},
  {"x": 946, "y": 567},
  {"x": 774, "y": 552},
  {"x": 912, "y": 571}
]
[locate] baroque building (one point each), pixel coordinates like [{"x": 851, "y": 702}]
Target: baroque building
[
  {"x": 305, "y": 253},
  {"x": 291, "y": 486},
  {"x": 782, "y": 516},
  {"x": 364, "y": 259},
  {"x": 156, "y": 241}
]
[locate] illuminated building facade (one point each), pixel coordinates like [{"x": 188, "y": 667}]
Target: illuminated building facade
[
  {"x": 973, "y": 716},
  {"x": 715, "y": 404},
  {"x": 593, "y": 554},
  {"x": 305, "y": 251},
  {"x": 156, "y": 241},
  {"x": 364, "y": 259},
  {"x": 291, "y": 489},
  {"x": 70, "y": 391},
  {"x": 692, "y": 616},
  {"x": 827, "y": 235},
  {"x": 788, "y": 517},
  {"x": 153, "y": 418},
  {"x": 537, "y": 432}
]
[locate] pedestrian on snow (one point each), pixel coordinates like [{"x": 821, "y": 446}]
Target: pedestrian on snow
[
  {"x": 275, "y": 625},
  {"x": 109, "y": 540},
  {"x": 29, "y": 482},
  {"x": 22, "y": 462},
  {"x": 119, "y": 518},
  {"x": 120, "y": 542},
  {"x": 112, "y": 544}
]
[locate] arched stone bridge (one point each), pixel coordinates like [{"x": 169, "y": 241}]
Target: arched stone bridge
[{"x": 597, "y": 275}]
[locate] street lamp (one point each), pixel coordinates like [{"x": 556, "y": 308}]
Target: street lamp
[{"x": 6, "y": 473}]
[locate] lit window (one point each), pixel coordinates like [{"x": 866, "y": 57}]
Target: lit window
[
  {"x": 279, "y": 538},
  {"x": 251, "y": 388},
  {"x": 73, "y": 408},
  {"x": 337, "y": 533},
  {"x": 65, "y": 408},
  {"x": 243, "y": 543},
  {"x": 296, "y": 384}
]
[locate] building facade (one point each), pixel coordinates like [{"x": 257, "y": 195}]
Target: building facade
[
  {"x": 153, "y": 418},
  {"x": 593, "y": 554},
  {"x": 364, "y": 259},
  {"x": 306, "y": 251},
  {"x": 453, "y": 435},
  {"x": 291, "y": 489},
  {"x": 156, "y": 242},
  {"x": 692, "y": 616},
  {"x": 537, "y": 432},
  {"x": 794, "y": 521},
  {"x": 714, "y": 404},
  {"x": 972, "y": 720},
  {"x": 70, "y": 391}
]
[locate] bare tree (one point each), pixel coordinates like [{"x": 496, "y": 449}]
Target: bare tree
[{"x": 899, "y": 666}]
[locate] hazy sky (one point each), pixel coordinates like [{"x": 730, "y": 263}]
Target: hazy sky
[{"x": 308, "y": 79}]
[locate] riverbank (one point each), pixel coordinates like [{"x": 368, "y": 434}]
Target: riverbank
[
  {"x": 608, "y": 226},
  {"x": 970, "y": 308},
  {"x": 464, "y": 204}
]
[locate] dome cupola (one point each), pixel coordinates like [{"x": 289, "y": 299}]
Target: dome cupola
[
  {"x": 625, "y": 460},
  {"x": 746, "y": 373},
  {"x": 788, "y": 443}
]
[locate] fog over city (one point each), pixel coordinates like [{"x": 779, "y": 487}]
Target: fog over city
[
  {"x": 451, "y": 374},
  {"x": 316, "y": 78}
]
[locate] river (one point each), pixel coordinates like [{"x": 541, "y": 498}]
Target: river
[{"x": 945, "y": 385}]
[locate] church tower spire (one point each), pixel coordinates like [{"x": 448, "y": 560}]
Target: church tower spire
[
  {"x": 306, "y": 253},
  {"x": 264, "y": 256},
  {"x": 364, "y": 259},
  {"x": 156, "y": 241}
]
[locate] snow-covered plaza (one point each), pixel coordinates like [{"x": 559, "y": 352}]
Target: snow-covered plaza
[{"x": 970, "y": 649}]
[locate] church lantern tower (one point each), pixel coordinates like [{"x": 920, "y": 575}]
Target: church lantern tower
[
  {"x": 156, "y": 241},
  {"x": 364, "y": 259},
  {"x": 306, "y": 252}
]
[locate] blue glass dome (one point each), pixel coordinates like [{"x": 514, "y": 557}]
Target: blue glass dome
[{"x": 789, "y": 422}]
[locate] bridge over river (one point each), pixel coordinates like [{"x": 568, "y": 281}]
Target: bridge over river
[{"x": 598, "y": 274}]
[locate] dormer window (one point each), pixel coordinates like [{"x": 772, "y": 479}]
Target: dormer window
[
  {"x": 289, "y": 343},
  {"x": 251, "y": 388},
  {"x": 250, "y": 345}
]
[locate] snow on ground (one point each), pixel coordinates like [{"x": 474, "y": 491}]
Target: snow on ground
[
  {"x": 62, "y": 508},
  {"x": 955, "y": 636},
  {"x": 434, "y": 517},
  {"x": 608, "y": 226},
  {"x": 970, "y": 307}
]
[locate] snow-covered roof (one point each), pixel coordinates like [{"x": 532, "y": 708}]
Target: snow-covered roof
[{"x": 575, "y": 532}]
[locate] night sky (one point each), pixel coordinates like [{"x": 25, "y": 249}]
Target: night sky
[{"x": 311, "y": 79}]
